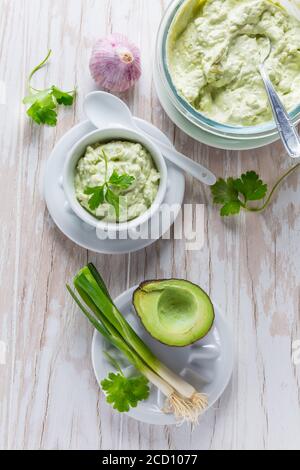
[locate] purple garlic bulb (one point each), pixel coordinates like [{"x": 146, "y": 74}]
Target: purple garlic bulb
[{"x": 115, "y": 63}]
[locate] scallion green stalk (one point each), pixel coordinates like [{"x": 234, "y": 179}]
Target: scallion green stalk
[
  {"x": 112, "y": 336},
  {"x": 92, "y": 288}
]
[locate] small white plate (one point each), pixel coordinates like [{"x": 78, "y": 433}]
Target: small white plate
[
  {"x": 207, "y": 365},
  {"x": 200, "y": 135},
  {"x": 79, "y": 232}
]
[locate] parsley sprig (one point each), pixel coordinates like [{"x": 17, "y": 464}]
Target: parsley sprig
[
  {"x": 43, "y": 104},
  {"x": 123, "y": 392},
  {"x": 235, "y": 195},
  {"x": 107, "y": 192}
]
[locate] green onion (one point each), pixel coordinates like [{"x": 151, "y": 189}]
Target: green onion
[{"x": 182, "y": 399}]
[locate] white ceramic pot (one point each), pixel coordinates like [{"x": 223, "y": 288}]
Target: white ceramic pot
[{"x": 102, "y": 136}]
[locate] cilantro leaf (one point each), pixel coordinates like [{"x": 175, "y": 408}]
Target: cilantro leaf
[
  {"x": 97, "y": 196},
  {"x": 34, "y": 97},
  {"x": 121, "y": 181},
  {"x": 224, "y": 191},
  {"x": 231, "y": 208},
  {"x": 43, "y": 103},
  {"x": 43, "y": 111},
  {"x": 62, "y": 97},
  {"x": 125, "y": 393},
  {"x": 106, "y": 192},
  {"x": 251, "y": 186},
  {"x": 114, "y": 200},
  {"x": 234, "y": 194}
]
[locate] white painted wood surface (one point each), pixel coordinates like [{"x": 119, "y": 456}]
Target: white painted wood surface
[{"x": 48, "y": 395}]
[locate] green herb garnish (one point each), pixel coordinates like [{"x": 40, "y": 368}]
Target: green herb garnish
[
  {"x": 44, "y": 103},
  {"x": 124, "y": 393},
  {"x": 107, "y": 192},
  {"x": 235, "y": 194}
]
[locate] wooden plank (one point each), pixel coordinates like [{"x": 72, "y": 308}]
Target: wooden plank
[{"x": 250, "y": 266}]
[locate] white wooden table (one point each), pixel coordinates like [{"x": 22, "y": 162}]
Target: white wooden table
[{"x": 49, "y": 398}]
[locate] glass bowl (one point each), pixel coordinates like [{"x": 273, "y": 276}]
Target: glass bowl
[{"x": 262, "y": 131}]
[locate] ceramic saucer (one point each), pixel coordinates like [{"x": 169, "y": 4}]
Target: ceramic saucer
[
  {"x": 82, "y": 234},
  {"x": 207, "y": 365}
]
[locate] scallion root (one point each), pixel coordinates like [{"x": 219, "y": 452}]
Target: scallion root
[
  {"x": 200, "y": 401},
  {"x": 186, "y": 410}
]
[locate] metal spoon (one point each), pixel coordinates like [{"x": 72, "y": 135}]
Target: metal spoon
[
  {"x": 286, "y": 128},
  {"x": 103, "y": 108}
]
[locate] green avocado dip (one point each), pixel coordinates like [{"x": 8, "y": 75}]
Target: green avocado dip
[
  {"x": 101, "y": 162},
  {"x": 214, "y": 50}
]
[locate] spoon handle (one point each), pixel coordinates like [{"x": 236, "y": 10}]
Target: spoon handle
[
  {"x": 196, "y": 170},
  {"x": 286, "y": 128},
  {"x": 199, "y": 172}
]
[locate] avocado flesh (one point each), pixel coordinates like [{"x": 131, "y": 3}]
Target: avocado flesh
[{"x": 175, "y": 312}]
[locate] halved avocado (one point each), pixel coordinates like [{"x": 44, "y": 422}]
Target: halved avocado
[{"x": 175, "y": 312}]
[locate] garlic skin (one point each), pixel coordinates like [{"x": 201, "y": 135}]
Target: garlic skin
[{"x": 115, "y": 63}]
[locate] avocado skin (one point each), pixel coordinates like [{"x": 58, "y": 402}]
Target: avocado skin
[{"x": 158, "y": 281}]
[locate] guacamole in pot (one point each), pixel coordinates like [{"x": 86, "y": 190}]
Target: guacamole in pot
[
  {"x": 214, "y": 50},
  {"x": 103, "y": 160}
]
